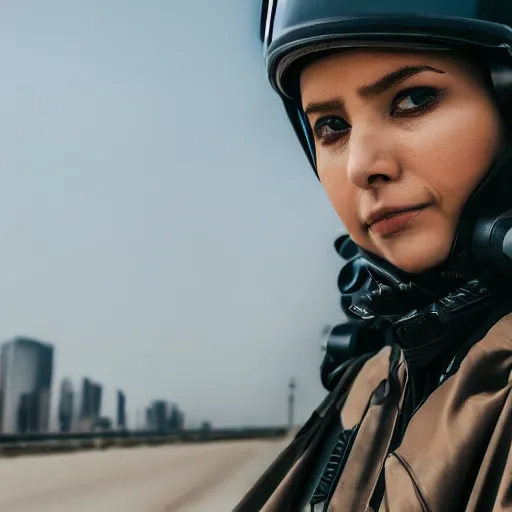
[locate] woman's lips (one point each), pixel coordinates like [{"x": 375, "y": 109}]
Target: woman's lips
[{"x": 395, "y": 222}]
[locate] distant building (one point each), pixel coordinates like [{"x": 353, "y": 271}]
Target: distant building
[
  {"x": 77, "y": 405},
  {"x": 176, "y": 418},
  {"x": 90, "y": 404},
  {"x": 103, "y": 423},
  {"x": 26, "y": 378},
  {"x": 121, "y": 410},
  {"x": 33, "y": 412},
  {"x": 160, "y": 415},
  {"x": 66, "y": 406},
  {"x": 206, "y": 426}
]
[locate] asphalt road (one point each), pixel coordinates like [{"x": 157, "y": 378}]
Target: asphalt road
[{"x": 180, "y": 478}]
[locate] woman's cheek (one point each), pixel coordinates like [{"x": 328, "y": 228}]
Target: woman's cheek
[{"x": 344, "y": 201}]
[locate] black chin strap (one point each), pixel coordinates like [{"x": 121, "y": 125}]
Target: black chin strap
[
  {"x": 424, "y": 331},
  {"x": 444, "y": 325},
  {"x": 425, "y": 323}
]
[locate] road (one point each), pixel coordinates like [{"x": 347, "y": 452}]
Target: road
[{"x": 178, "y": 478}]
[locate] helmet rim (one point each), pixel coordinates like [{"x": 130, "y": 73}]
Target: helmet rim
[{"x": 476, "y": 38}]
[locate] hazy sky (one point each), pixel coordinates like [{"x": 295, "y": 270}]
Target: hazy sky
[{"x": 160, "y": 223}]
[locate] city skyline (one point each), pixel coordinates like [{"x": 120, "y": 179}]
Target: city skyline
[{"x": 27, "y": 403}]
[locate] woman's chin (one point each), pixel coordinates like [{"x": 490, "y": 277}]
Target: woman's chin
[{"x": 418, "y": 254}]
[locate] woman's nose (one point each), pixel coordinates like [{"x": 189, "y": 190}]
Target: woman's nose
[{"x": 371, "y": 159}]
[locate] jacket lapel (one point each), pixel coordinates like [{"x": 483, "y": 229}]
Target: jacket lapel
[{"x": 362, "y": 470}]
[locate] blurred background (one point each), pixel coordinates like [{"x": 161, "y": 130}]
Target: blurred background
[{"x": 167, "y": 251}]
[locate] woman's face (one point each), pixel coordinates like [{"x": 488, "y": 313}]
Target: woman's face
[{"x": 402, "y": 140}]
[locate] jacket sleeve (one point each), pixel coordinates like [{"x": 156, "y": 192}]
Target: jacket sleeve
[{"x": 492, "y": 491}]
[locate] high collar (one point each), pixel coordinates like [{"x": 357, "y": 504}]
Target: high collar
[{"x": 425, "y": 315}]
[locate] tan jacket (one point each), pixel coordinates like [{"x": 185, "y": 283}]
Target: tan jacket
[{"x": 456, "y": 454}]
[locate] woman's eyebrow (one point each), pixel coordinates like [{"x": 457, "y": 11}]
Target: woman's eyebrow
[
  {"x": 324, "y": 107},
  {"x": 391, "y": 79},
  {"x": 381, "y": 85}
]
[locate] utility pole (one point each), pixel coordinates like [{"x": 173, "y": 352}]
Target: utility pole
[{"x": 291, "y": 402}]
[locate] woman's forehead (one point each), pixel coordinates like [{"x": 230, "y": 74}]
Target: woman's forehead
[
  {"x": 350, "y": 68},
  {"x": 372, "y": 61}
]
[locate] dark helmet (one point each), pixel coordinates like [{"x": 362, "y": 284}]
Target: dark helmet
[{"x": 295, "y": 31}]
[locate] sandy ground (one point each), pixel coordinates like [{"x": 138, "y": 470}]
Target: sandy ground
[{"x": 179, "y": 478}]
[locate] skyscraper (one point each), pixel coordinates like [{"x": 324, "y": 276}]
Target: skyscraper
[
  {"x": 160, "y": 415},
  {"x": 26, "y": 378},
  {"x": 121, "y": 410},
  {"x": 176, "y": 418},
  {"x": 66, "y": 405},
  {"x": 90, "y": 404}
]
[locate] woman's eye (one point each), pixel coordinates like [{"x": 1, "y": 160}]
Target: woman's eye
[
  {"x": 330, "y": 129},
  {"x": 415, "y": 100}
]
